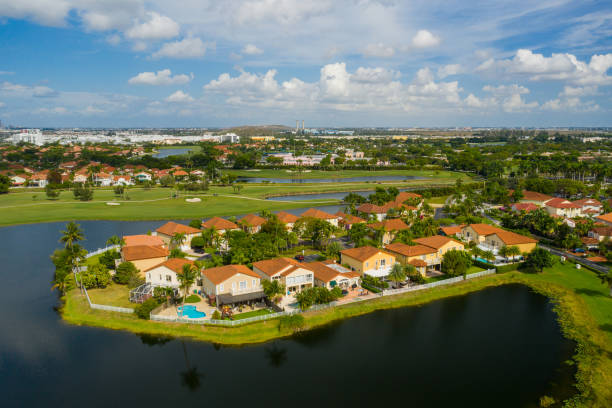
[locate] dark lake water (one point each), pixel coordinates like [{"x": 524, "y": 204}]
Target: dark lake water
[
  {"x": 499, "y": 347},
  {"x": 327, "y": 180},
  {"x": 161, "y": 153}
]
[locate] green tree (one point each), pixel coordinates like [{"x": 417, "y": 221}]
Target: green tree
[
  {"x": 538, "y": 259},
  {"x": 606, "y": 279},
  {"x": 187, "y": 278},
  {"x": 52, "y": 193},
  {"x": 96, "y": 276},
  {"x": 455, "y": 263},
  {"x": 273, "y": 289},
  {"x": 397, "y": 274},
  {"x": 115, "y": 240},
  {"x": 178, "y": 239},
  {"x": 195, "y": 223},
  {"x": 333, "y": 249},
  {"x": 5, "y": 183},
  {"x": 125, "y": 272}
]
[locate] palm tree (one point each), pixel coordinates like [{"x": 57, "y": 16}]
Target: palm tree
[
  {"x": 488, "y": 255},
  {"x": 273, "y": 289},
  {"x": 187, "y": 278},
  {"x": 504, "y": 251},
  {"x": 190, "y": 378},
  {"x": 293, "y": 239},
  {"x": 209, "y": 234},
  {"x": 397, "y": 274},
  {"x": 333, "y": 249},
  {"x": 179, "y": 239},
  {"x": 513, "y": 251},
  {"x": 115, "y": 240},
  {"x": 71, "y": 235}
]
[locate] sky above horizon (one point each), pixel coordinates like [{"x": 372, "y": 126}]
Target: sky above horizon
[{"x": 332, "y": 63}]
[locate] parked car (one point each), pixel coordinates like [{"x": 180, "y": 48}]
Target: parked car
[{"x": 299, "y": 258}]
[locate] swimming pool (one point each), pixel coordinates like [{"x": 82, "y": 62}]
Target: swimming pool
[
  {"x": 190, "y": 312},
  {"x": 482, "y": 260}
]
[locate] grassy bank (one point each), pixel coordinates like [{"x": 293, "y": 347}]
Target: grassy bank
[
  {"x": 320, "y": 174},
  {"x": 581, "y": 302},
  {"x": 26, "y": 206}
]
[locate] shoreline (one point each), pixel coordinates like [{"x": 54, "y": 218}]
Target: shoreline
[{"x": 593, "y": 367}]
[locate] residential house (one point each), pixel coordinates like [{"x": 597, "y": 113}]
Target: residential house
[
  {"x": 492, "y": 238},
  {"x": 288, "y": 219},
  {"x": 122, "y": 180},
  {"x": 605, "y": 218},
  {"x": 451, "y": 230},
  {"x": 368, "y": 210},
  {"x": 38, "y": 180},
  {"x": 563, "y": 208},
  {"x": 601, "y": 233},
  {"x": 419, "y": 256},
  {"x": 328, "y": 274},
  {"x": 590, "y": 206},
  {"x": 142, "y": 176},
  {"x": 144, "y": 256},
  {"x": 388, "y": 228},
  {"x": 142, "y": 239},
  {"x": 294, "y": 275},
  {"x": 80, "y": 178},
  {"x": 314, "y": 213},
  {"x": 441, "y": 244},
  {"x": 17, "y": 180},
  {"x": 170, "y": 229},
  {"x": 103, "y": 179},
  {"x": 533, "y": 197},
  {"x": 232, "y": 284},
  {"x": 180, "y": 174},
  {"x": 526, "y": 207},
  {"x": 368, "y": 260},
  {"x": 220, "y": 225},
  {"x": 252, "y": 223},
  {"x": 166, "y": 274},
  {"x": 347, "y": 220}
]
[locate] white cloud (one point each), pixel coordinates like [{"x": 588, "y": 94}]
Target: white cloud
[
  {"x": 157, "y": 27},
  {"x": 251, "y": 49},
  {"x": 425, "y": 39},
  {"x": 562, "y": 67},
  {"x": 505, "y": 90},
  {"x": 2, "y": 104},
  {"x": 114, "y": 39},
  {"x": 179, "y": 97},
  {"x": 286, "y": 12},
  {"x": 59, "y": 110},
  {"x": 448, "y": 70},
  {"x": 38, "y": 91},
  {"x": 190, "y": 47},
  {"x": 7, "y": 73},
  {"x": 579, "y": 91},
  {"x": 163, "y": 77},
  {"x": 378, "y": 50},
  {"x": 509, "y": 97},
  {"x": 93, "y": 110},
  {"x": 473, "y": 101}
]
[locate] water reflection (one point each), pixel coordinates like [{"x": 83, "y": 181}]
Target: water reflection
[
  {"x": 276, "y": 355},
  {"x": 190, "y": 378}
]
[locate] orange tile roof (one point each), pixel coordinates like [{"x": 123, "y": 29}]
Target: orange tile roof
[
  {"x": 436, "y": 241},
  {"x": 370, "y": 208},
  {"x": 483, "y": 229},
  {"x": 588, "y": 202},
  {"x": 419, "y": 263},
  {"x": 219, "y": 224},
  {"x": 605, "y": 217},
  {"x": 410, "y": 250},
  {"x": 326, "y": 274},
  {"x": 180, "y": 173},
  {"x": 137, "y": 252},
  {"x": 363, "y": 253},
  {"x": 349, "y": 219},
  {"x": 171, "y": 228},
  {"x": 507, "y": 237},
  {"x": 527, "y": 207},
  {"x": 453, "y": 230},
  {"x": 174, "y": 264},
  {"x": 314, "y": 213},
  {"x": 603, "y": 231},
  {"x": 287, "y": 218},
  {"x": 131, "y": 240},
  {"x": 394, "y": 224},
  {"x": 252, "y": 220},
  {"x": 533, "y": 196},
  {"x": 273, "y": 266},
  {"x": 222, "y": 273},
  {"x": 561, "y": 203}
]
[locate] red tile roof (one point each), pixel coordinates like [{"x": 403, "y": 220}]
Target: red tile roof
[
  {"x": 394, "y": 224},
  {"x": 171, "y": 228},
  {"x": 410, "y": 250},
  {"x": 436, "y": 241},
  {"x": 151, "y": 240},
  {"x": 252, "y": 220},
  {"x": 174, "y": 264},
  {"x": 222, "y": 273},
  {"x": 561, "y": 203},
  {"x": 138, "y": 252},
  {"x": 314, "y": 213},
  {"x": 219, "y": 224},
  {"x": 362, "y": 253},
  {"x": 287, "y": 218}
]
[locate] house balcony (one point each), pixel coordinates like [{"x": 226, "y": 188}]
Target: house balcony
[{"x": 236, "y": 292}]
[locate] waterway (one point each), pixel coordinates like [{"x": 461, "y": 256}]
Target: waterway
[
  {"x": 500, "y": 347},
  {"x": 161, "y": 153},
  {"x": 327, "y": 180}
]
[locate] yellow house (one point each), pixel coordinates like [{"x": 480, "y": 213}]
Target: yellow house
[
  {"x": 441, "y": 244},
  {"x": 167, "y": 231},
  {"x": 494, "y": 238},
  {"x": 232, "y": 284},
  {"x": 144, "y": 256},
  {"x": 368, "y": 260},
  {"x": 389, "y": 228},
  {"x": 291, "y": 273},
  {"x": 328, "y": 274},
  {"x": 420, "y": 256}
]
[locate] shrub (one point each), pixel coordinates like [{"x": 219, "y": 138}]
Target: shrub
[
  {"x": 216, "y": 315},
  {"x": 108, "y": 258},
  {"x": 177, "y": 253},
  {"x": 291, "y": 323},
  {"x": 143, "y": 311},
  {"x": 370, "y": 288},
  {"x": 96, "y": 276},
  {"x": 197, "y": 242},
  {"x": 125, "y": 271},
  {"x": 192, "y": 299},
  {"x": 82, "y": 193},
  {"x": 336, "y": 293}
]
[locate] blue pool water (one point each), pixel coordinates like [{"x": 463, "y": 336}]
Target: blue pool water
[
  {"x": 190, "y": 312},
  {"x": 482, "y": 260}
]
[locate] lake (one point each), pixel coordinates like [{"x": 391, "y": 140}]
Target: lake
[
  {"x": 499, "y": 347},
  {"x": 326, "y": 180},
  {"x": 161, "y": 153}
]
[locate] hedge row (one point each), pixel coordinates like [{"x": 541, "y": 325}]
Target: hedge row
[{"x": 370, "y": 288}]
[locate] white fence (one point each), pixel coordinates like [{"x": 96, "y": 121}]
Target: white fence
[
  {"x": 437, "y": 283},
  {"x": 106, "y": 307},
  {"x": 177, "y": 319},
  {"x": 101, "y": 250}
]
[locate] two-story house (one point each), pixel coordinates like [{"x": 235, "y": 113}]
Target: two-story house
[
  {"x": 288, "y": 219},
  {"x": 252, "y": 223},
  {"x": 294, "y": 275},
  {"x": 563, "y": 208},
  {"x": 388, "y": 228},
  {"x": 322, "y": 215},
  {"x": 368, "y": 260},
  {"x": 166, "y": 274},
  {"x": 168, "y": 231},
  {"x": 328, "y": 274},
  {"x": 232, "y": 285},
  {"x": 419, "y": 256}
]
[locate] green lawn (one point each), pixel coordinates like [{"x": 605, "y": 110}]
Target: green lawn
[
  {"x": 474, "y": 269},
  {"x": 436, "y": 200},
  {"x": 18, "y": 207},
  {"x": 112, "y": 295},
  {"x": 254, "y": 313}
]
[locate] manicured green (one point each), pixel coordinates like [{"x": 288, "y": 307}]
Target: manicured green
[
  {"x": 113, "y": 295},
  {"x": 192, "y": 299},
  {"x": 320, "y": 174},
  {"x": 246, "y": 315}
]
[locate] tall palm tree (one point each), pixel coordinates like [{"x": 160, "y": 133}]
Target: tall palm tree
[
  {"x": 513, "y": 251},
  {"x": 397, "y": 274},
  {"x": 71, "y": 235},
  {"x": 115, "y": 240},
  {"x": 504, "y": 251},
  {"x": 190, "y": 378},
  {"x": 179, "y": 239},
  {"x": 187, "y": 278}
]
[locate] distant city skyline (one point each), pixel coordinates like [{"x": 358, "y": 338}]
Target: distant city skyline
[{"x": 343, "y": 63}]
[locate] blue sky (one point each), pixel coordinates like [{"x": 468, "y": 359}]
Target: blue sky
[{"x": 131, "y": 63}]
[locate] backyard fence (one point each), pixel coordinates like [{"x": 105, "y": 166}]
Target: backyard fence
[
  {"x": 106, "y": 307},
  {"x": 101, "y": 250},
  {"x": 443, "y": 282}
]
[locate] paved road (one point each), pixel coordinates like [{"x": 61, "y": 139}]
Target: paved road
[{"x": 594, "y": 265}]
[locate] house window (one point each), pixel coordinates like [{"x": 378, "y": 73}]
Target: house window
[
  {"x": 221, "y": 288},
  {"x": 148, "y": 276},
  {"x": 254, "y": 283},
  {"x": 233, "y": 285},
  {"x": 243, "y": 285},
  {"x": 382, "y": 262},
  {"x": 366, "y": 265},
  {"x": 168, "y": 278},
  {"x": 160, "y": 278}
]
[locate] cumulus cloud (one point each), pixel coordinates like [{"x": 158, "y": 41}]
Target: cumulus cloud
[
  {"x": 562, "y": 67},
  {"x": 286, "y": 12},
  {"x": 448, "y": 70},
  {"x": 157, "y": 27},
  {"x": 190, "y": 47},
  {"x": 163, "y": 77},
  {"x": 378, "y": 50},
  {"x": 425, "y": 39},
  {"x": 179, "y": 97},
  {"x": 251, "y": 49},
  {"x": 2, "y": 104},
  {"x": 38, "y": 91},
  {"x": 509, "y": 97}
]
